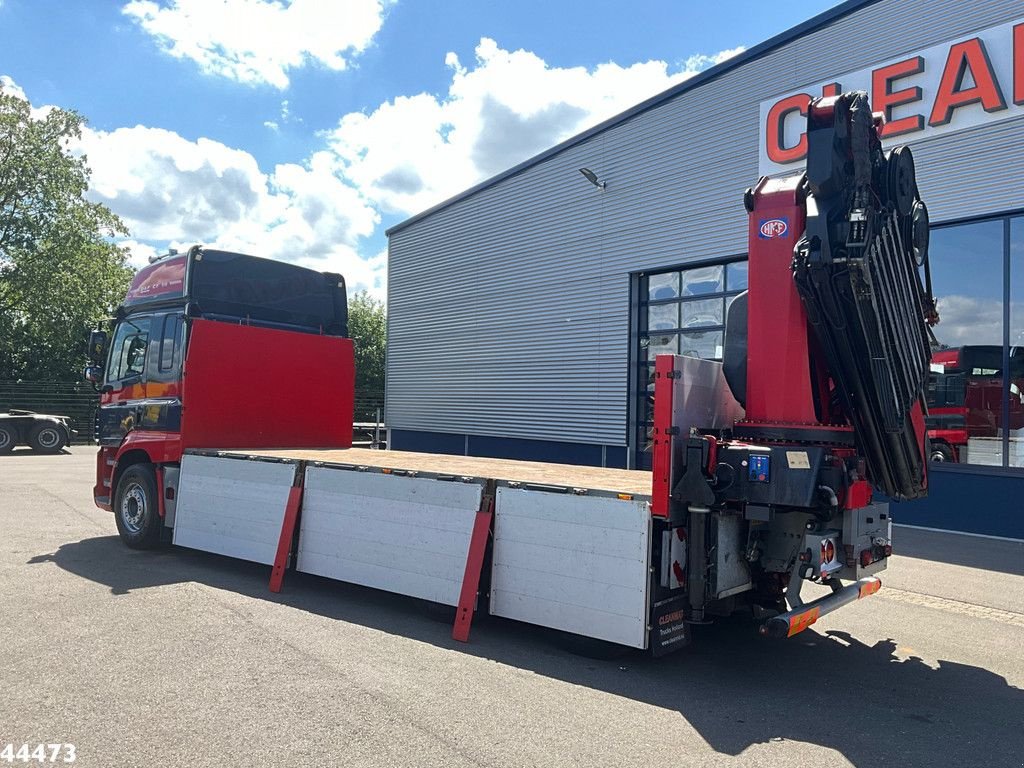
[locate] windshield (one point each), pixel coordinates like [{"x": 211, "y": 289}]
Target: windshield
[{"x": 128, "y": 350}]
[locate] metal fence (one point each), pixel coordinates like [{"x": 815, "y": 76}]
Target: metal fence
[{"x": 78, "y": 400}]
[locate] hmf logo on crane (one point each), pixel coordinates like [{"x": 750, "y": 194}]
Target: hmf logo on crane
[{"x": 943, "y": 89}]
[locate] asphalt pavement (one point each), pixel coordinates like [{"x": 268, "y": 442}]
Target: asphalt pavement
[{"x": 178, "y": 657}]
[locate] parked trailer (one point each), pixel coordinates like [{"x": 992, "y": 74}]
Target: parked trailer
[{"x": 42, "y": 432}]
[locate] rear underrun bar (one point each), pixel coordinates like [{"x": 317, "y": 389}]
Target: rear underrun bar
[{"x": 797, "y": 620}]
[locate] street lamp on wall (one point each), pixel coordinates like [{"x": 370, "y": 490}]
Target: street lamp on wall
[{"x": 592, "y": 178}]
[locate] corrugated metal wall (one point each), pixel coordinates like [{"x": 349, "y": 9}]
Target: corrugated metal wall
[{"x": 509, "y": 310}]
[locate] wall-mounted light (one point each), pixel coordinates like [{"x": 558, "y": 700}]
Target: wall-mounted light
[{"x": 592, "y": 178}]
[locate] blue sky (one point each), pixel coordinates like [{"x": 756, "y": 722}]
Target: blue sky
[{"x": 302, "y": 130}]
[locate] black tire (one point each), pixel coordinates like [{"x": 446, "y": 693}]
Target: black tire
[
  {"x": 7, "y": 439},
  {"x": 135, "y": 507},
  {"x": 591, "y": 648},
  {"x": 942, "y": 452},
  {"x": 47, "y": 437}
]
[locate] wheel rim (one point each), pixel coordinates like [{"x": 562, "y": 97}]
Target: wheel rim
[
  {"x": 5, "y": 440},
  {"x": 938, "y": 456},
  {"x": 48, "y": 438},
  {"x": 133, "y": 508}
]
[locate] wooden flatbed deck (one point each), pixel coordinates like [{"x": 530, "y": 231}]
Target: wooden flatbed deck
[{"x": 634, "y": 482}]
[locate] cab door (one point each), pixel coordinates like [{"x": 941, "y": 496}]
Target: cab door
[
  {"x": 124, "y": 386},
  {"x": 161, "y": 409}
]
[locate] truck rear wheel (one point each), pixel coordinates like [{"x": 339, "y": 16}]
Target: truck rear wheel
[
  {"x": 47, "y": 438},
  {"x": 942, "y": 452},
  {"x": 6, "y": 439},
  {"x": 135, "y": 507}
]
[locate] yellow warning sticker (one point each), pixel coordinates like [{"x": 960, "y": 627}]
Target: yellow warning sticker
[{"x": 798, "y": 460}]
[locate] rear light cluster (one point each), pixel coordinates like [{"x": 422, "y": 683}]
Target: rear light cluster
[{"x": 873, "y": 555}]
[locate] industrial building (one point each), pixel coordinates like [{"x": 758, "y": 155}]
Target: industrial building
[{"x": 525, "y": 313}]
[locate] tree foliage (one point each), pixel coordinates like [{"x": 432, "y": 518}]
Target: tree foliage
[
  {"x": 367, "y": 326},
  {"x": 59, "y": 270}
]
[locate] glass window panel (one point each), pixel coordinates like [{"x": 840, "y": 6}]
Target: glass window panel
[
  {"x": 661, "y": 317},
  {"x": 170, "y": 341},
  {"x": 649, "y": 374},
  {"x": 1017, "y": 342},
  {"x": 660, "y": 344},
  {"x": 665, "y": 286},
  {"x": 702, "y": 312},
  {"x": 1017, "y": 283},
  {"x": 704, "y": 280},
  {"x": 128, "y": 350},
  {"x": 967, "y": 278},
  {"x": 736, "y": 276},
  {"x": 706, "y": 345}
]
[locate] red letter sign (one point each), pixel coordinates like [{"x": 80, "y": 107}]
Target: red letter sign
[
  {"x": 775, "y": 130},
  {"x": 1018, "y": 64},
  {"x": 970, "y": 57},
  {"x": 884, "y": 98}
]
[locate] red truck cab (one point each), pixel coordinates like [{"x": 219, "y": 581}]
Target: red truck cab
[
  {"x": 965, "y": 397},
  {"x": 213, "y": 349}
]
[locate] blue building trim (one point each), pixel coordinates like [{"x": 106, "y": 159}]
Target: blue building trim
[
  {"x": 585, "y": 454},
  {"x": 970, "y": 500}
]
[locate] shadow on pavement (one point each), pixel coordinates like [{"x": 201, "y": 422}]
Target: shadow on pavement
[
  {"x": 734, "y": 688},
  {"x": 22, "y": 451},
  {"x": 1003, "y": 556}
]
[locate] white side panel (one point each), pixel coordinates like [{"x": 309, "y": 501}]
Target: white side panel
[
  {"x": 575, "y": 563},
  {"x": 232, "y": 507},
  {"x": 401, "y": 534}
]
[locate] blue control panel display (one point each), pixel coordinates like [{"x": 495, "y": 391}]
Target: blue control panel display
[{"x": 759, "y": 469}]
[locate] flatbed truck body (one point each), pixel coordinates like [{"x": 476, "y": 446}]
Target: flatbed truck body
[
  {"x": 764, "y": 465},
  {"x": 571, "y": 544}
]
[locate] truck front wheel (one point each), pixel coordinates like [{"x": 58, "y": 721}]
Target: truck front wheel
[{"x": 135, "y": 507}]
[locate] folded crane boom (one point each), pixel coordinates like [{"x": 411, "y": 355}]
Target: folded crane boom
[
  {"x": 828, "y": 354},
  {"x": 856, "y": 269}
]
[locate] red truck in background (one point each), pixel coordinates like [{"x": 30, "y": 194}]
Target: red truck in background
[
  {"x": 965, "y": 397},
  {"x": 214, "y": 349}
]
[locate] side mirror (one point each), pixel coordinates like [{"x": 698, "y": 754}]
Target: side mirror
[
  {"x": 98, "y": 348},
  {"x": 93, "y": 374}
]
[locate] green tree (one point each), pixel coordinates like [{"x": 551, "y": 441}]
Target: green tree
[
  {"x": 367, "y": 326},
  {"x": 59, "y": 270}
]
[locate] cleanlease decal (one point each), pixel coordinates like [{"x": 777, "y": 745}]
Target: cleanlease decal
[{"x": 946, "y": 88}]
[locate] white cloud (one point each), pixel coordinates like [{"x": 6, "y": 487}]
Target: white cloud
[
  {"x": 259, "y": 41},
  {"x": 286, "y": 116},
  {"x": 969, "y": 320},
  {"x": 415, "y": 151},
  {"x": 11, "y": 88},
  {"x": 139, "y": 254},
  {"x": 401, "y": 157},
  {"x": 175, "y": 192},
  {"x": 701, "y": 61}
]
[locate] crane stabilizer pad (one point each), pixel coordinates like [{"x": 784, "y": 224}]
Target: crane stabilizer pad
[{"x": 856, "y": 269}]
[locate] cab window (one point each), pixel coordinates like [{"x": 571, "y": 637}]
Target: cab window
[
  {"x": 128, "y": 350},
  {"x": 170, "y": 342}
]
